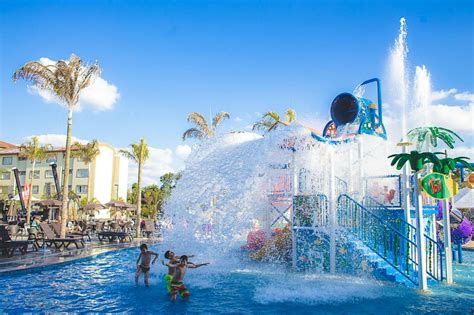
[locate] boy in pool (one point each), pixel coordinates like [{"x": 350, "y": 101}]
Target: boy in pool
[
  {"x": 173, "y": 259},
  {"x": 144, "y": 266},
  {"x": 177, "y": 285}
]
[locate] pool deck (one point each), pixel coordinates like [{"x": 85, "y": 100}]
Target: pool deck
[{"x": 46, "y": 256}]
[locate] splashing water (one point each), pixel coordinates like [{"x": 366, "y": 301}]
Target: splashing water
[
  {"x": 398, "y": 78},
  {"x": 422, "y": 95}
]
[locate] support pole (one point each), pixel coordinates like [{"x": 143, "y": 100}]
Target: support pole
[
  {"x": 332, "y": 212},
  {"x": 360, "y": 156},
  {"x": 406, "y": 189},
  {"x": 448, "y": 250},
  {"x": 294, "y": 191},
  {"x": 420, "y": 237}
]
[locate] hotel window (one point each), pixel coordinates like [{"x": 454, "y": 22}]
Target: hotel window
[
  {"x": 5, "y": 175},
  {"x": 21, "y": 158},
  {"x": 48, "y": 174},
  {"x": 37, "y": 174},
  {"x": 70, "y": 172},
  {"x": 22, "y": 173},
  {"x": 82, "y": 173},
  {"x": 47, "y": 189},
  {"x": 81, "y": 189},
  {"x": 4, "y": 189},
  {"x": 7, "y": 160},
  {"x": 35, "y": 189}
]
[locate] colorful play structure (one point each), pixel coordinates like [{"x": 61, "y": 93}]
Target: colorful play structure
[{"x": 401, "y": 227}]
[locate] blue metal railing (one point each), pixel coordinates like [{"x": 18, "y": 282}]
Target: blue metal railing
[
  {"x": 434, "y": 249},
  {"x": 388, "y": 242}
]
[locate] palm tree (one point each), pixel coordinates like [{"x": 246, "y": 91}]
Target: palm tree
[
  {"x": 138, "y": 152},
  {"x": 87, "y": 153},
  {"x": 33, "y": 152},
  {"x": 66, "y": 80},
  {"x": 421, "y": 134},
  {"x": 202, "y": 129},
  {"x": 270, "y": 120}
]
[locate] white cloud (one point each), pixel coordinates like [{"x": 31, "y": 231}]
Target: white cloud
[
  {"x": 56, "y": 140},
  {"x": 99, "y": 96},
  {"x": 183, "y": 151},
  {"x": 160, "y": 162},
  {"x": 442, "y": 94},
  {"x": 238, "y": 119},
  {"x": 456, "y": 118},
  {"x": 464, "y": 151},
  {"x": 465, "y": 96}
]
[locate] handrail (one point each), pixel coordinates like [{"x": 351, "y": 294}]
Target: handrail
[
  {"x": 433, "y": 248},
  {"x": 388, "y": 242}
]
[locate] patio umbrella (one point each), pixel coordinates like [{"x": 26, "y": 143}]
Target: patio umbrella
[
  {"x": 93, "y": 207},
  {"x": 119, "y": 204},
  {"x": 49, "y": 203}
]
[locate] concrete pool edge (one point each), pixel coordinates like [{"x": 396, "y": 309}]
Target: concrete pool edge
[{"x": 69, "y": 256}]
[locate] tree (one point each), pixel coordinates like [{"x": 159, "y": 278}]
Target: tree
[
  {"x": 271, "y": 120},
  {"x": 33, "y": 152},
  {"x": 422, "y": 134},
  {"x": 168, "y": 182},
  {"x": 65, "y": 79},
  {"x": 87, "y": 153},
  {"x": 202, "y": 129},
  {"x": 152, "y": 200},
  {"x": 138, "y": 153}
]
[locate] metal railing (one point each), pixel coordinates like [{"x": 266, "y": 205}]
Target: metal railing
[
  {"x": 387, "y": 241},
  {"x": 434, "y": 249}
]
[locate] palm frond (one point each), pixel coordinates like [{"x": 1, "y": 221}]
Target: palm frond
[
  {"x": 219, "y": 118},
  {"x": 262, "y": 125},
  {"x": 290, "y": 115},
  {"x": 200, "y": 122},
  {"x": 193, "y": 133}
]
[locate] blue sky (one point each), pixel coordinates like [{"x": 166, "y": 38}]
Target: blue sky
[{"x": 167, "y": 58}]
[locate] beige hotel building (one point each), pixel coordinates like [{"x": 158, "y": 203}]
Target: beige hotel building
[{"x": 104, "y": 179}]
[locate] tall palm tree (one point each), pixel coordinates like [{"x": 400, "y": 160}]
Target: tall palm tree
[
  {"x": 65, "y": 79},
  {"x": 422, "y": 134},
  {"x": 270, "y": 120},
  {"x": 33, "y": 151},
  {"x": 138, "y": 152},
  {"x": 202, "y": 129},
  {"x": 87, "y": 153}
]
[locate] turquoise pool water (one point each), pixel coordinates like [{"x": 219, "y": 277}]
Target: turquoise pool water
[{"x": 105, "y": 284}]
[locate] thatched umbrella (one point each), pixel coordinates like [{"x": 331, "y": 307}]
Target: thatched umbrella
[
  {"x": 93, "y": 207},
  {"x": 50, "y": 203},
  {"x": 119, "y": 204}
]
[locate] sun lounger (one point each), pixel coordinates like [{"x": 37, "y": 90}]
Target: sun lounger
[
  {"x": 8, "y": 247},
  {"x": 122, "y": 237},
  {"x": 149, "y": 229},
  {"x": 57, "y": 230},
  {"x": 51, "y": 239}
]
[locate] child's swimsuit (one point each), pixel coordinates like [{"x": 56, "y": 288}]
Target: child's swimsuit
[
  {"x": 168, "y": 279},
  {"x": 144, "y": 269},
  {"x": 179, "y": 287}
]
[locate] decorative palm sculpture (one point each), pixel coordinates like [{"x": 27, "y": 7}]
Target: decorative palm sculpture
[
  {"x": 449, "y": 164},
  {"x": 416, "y": 159},
  {"x": 433, "y": 134}
]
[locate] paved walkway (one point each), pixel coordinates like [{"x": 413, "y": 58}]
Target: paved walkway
[
  {"x": 469, "y": 246},
  {"x": 47, "y": 256}
]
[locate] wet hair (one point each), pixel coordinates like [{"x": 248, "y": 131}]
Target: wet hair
[
  {"x": 183, "y": 258},
  {"x": 143, "y": 246},
  {"x": 167, "y": 254}
]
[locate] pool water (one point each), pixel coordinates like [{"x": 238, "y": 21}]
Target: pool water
[{"x": 106, "y": 284}]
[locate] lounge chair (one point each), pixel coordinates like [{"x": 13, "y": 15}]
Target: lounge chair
[
  {"x": 149, "y": 228},
  {"x": 51, "y": 239},
  {"x": 57, "y": 230},
  {"x": 122, "y": 237},
  {"x": 8, "y": 247}
]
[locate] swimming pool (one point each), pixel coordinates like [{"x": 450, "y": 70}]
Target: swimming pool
[{"x": 105, "y": 284}]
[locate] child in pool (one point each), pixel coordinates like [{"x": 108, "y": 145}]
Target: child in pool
[
  {"x": 177, "y": 285},
  {"x": 173, "y": 259},
  {"x": 144, "y": 266}
]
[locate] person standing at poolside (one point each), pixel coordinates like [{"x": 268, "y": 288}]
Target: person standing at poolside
[
  {"x": 144, "y": 266},
  {"x": 177, "y": 285}
]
